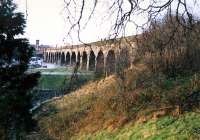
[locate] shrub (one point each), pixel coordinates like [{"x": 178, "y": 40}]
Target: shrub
[{"x": 170, "y": 48}]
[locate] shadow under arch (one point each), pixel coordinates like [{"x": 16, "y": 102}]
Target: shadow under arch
[
  {"x": 100, "y": 63},
  {"x": 73, "y": 58},
  {"x": 62, "y": 58},
  {"x": 78, "y": 58},
  {"x": 67, "y": 59},
  {"x": 59, "y": 58},
  {"x": 92, "y": 61},
  {"x": 123, "y": 60},
  {"x": 50, "y": 57},
  {"x": 84, "y": 61},
  {"x": 110, "y": 62}
]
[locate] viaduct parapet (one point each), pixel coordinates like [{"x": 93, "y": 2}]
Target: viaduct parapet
[{"x": 98, "y": 57}]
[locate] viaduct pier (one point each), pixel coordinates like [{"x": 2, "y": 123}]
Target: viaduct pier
[{"x": 98, "y": 57}]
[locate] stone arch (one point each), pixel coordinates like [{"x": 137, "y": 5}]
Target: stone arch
[
  {"x": 62, "y": 58},
  {"x": 51, "y": 57},
  {"x": 47, "y": 57},
  {"x": 78, "y": 58},
  {"x": 110, "y": 62},
  {"x": 56, "y": 57},
  {"x": 59, "y": 58},
  {"x": 67, "y": 58},
  {"x": 123, "y": 60},
  {"x": 100, "y": 63},
  {"x": 84, "y": 60},
  {"x": 92, "y": 61},
  {"x": 59, "y": 55},
  {"x": 73, "y": 58}
]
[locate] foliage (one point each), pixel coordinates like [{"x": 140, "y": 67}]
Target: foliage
[
  {"x": 103, "y": 109},
  {"x": 170, "y": 48},
  {"x": 122, "y": 62},
  {"x": 183, "y": 127},
  {"x": 156, "y": 94},
  {"x": 15, "y": 84}
]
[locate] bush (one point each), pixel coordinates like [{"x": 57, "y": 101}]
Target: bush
[{"x": 170, "y": 48}]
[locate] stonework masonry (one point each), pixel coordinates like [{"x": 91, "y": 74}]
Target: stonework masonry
[{"x": 98, "y": 57}]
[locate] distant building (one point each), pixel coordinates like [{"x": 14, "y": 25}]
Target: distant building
[{"x": 40, "y": 49}]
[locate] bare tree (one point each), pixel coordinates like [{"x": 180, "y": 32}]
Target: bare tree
[
  {"x": 124, "y": 12},
  {"x": 165, "y": 23},
  {"x": 170, "y": 48}
]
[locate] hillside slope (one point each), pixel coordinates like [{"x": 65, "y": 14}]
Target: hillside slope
[{"x": 139, "y": 105}]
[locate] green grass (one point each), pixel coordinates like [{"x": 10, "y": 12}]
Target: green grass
[
  {"x": 60, "y": 81},
  {"x": 184, "y": 127},
  {"x": 67, "y": 69},
  {"x": 51, "y": 81},
  {"x": 61, "y": 69}
]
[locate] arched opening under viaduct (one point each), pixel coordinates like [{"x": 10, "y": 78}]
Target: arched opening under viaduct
[
  {"x": 62, "y": 58},
  {"x": 47, "y": 57},
  {"x": 50, "y": 57},
  {"x": 56, "y": 58},
  {"x": 100, "y": 63},
  {"x": 92, "y": 61},
  {"x": 73, "y": 58},
  {"x": 53, "y": 57},
  {"x": 78, "y": 58},
  {"x": 59, "y": 58},
  {"x": 123, "y": 60},
  {"x": 67, "y": 59},
  {"x": 110, "y": 62},
  {"x": 84, "y": 61}
]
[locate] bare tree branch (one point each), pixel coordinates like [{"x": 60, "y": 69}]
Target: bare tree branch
[{"x": 123, "y": 12}]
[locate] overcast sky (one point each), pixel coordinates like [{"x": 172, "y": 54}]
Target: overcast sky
[{"x": 46, "y": 22}]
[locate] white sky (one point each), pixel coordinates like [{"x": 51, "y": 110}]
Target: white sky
[{"x": 46, "y": 22}]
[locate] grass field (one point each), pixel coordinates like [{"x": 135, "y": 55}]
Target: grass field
[
  {"x": 51, "y": 81},
  {"x": 60, "y": 69},
  {"x": 60, "y": 81},
  {"x": 184, "y": 127},
  {"x": 55, "y": 78}
]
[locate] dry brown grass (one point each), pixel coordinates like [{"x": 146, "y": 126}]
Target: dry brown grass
[
  {"x": 97, "y": 105},
  {"x": 111, "y": 103}
]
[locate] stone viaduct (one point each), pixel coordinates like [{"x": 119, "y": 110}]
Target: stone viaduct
[{"x": 98, "y": 57}]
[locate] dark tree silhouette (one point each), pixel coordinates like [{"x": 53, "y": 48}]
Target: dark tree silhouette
[{"x": 15, "y": 83}]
